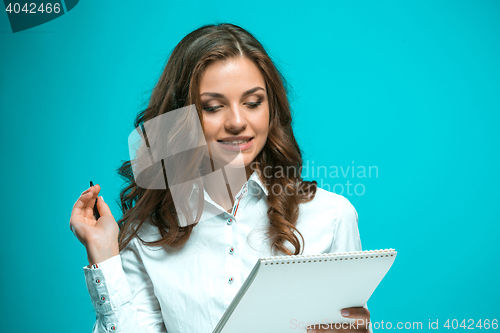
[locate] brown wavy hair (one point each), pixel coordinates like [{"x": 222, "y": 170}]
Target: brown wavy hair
[{"x": 178, "y": 86}]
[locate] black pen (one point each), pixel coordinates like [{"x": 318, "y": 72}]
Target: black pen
[{"x": 96, "y": 211}]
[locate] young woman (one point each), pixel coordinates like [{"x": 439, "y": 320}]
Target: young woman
[{"x": 151, "y": 273}]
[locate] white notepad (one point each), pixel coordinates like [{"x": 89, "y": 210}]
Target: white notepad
[{"x": 285, "y": 293}]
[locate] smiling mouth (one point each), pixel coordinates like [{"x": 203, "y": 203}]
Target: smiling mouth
[{"x": 235, "y": 142}]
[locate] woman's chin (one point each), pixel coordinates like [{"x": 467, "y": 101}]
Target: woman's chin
[{"x": 236, "y": 163}]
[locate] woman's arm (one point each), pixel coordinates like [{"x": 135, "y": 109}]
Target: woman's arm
[
  {"x": 346, "y": 234},
  {"x": 119, "y": 286},
  {"x": 346, "y": 239},
  {"x": 122, "y": 295}
]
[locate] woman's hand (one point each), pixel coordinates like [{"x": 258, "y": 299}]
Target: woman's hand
[
  {"x": 100, "y": 237},
  {"x": 359, "y": 322}
]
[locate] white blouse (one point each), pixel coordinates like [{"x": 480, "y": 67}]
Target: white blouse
[{"x": 187, "y": 290}]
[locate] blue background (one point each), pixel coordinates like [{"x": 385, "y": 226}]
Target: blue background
[{"x": 411, "y": 87}]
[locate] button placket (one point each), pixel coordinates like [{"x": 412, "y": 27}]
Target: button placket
[
  {"x": 230, "y": 269},
  {"x": 238, "y": 199}
]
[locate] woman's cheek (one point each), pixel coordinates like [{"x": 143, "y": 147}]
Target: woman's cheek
[{"x": 208, "y": 127}]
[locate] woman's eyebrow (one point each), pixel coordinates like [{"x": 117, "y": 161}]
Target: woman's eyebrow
[{"x": 248, "y": 92}]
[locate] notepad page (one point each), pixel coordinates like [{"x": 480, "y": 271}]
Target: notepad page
[{"x": 284, "y": 295}]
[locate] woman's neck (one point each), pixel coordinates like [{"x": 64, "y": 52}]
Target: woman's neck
[{"x": 223, "y": 191}]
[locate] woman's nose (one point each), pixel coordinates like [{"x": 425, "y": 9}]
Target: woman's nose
[{"x": 235, "y": 120}]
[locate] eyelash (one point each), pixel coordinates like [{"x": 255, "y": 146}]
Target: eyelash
[{"x": 215, "y": 108}]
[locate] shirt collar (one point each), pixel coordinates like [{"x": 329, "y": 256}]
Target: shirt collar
[
  {"x": 253, "y": 186},
  {"x": 256, "y": 179}
]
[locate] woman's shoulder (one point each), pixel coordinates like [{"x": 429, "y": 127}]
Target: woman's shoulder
[
  {"x": 329, "y": 204},
  {"x": 147, "y": 231},
  {"x": 329, "y": 199}
]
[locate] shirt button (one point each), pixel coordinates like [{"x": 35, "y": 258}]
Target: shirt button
[
  {"x": 103, "y": 298},
  {"x": 230, "y": 280},
  {"x": 112, "y": 328},
  {"x": 97, "y": 280},
  {"x": 231, "y": 250},
  {"x": 229, "y": 221}
]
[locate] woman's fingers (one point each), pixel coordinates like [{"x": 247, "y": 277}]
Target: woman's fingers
[
  {"x": 103, "y": 208},
  {"x": 81, "y": 203},
  {"x": 88, "y": 211},
  {"x": 100, "y": 237},
  {"x": 359, "y": 322},
  {"x": 78, "y": 223},
  {"x": 356, "y": 313},
  {"x": 360, "y": 315}
]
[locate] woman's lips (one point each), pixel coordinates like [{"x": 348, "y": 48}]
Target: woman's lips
[{"x": 241, "y": 147}]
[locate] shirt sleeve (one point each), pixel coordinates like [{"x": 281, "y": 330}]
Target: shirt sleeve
[
  {"x": 346, "y": 237},
  {"x": 122, "y": 295},
  {"x": 346, "y": 234}
]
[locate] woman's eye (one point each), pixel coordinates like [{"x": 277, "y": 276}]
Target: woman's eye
[
  {"x": 252, "y": 105},
  {"x": 211, "y": 108}
]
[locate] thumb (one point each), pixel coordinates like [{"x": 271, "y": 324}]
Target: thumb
[{"x": 103, "y": 207}]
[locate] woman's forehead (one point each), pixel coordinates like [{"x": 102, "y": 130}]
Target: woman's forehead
[{"x": 232, "y": 74}]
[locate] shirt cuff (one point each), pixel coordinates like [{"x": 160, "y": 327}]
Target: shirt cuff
[
  {"x": 107, "y": 285},
  {"x": 105, "y": 262}
]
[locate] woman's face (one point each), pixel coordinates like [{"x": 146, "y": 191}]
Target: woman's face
[{"x": 235, "y": 107}]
